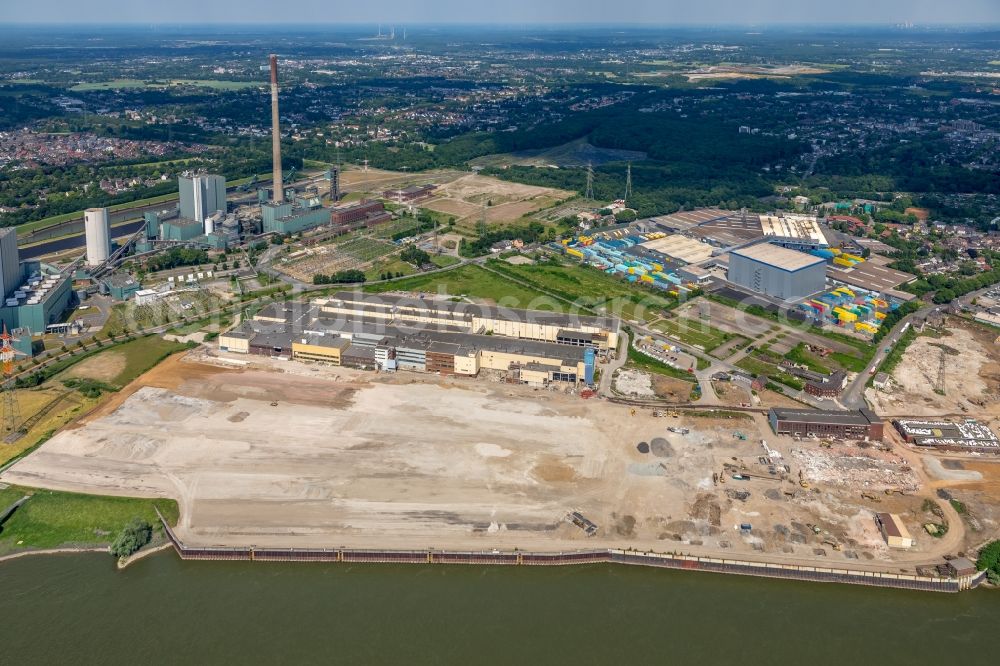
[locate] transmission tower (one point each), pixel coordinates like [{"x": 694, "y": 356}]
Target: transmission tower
[
  {"x": 590, "y": 181},
  {"x": 11, "y": 413},
  {"x": 628, "y": 182}
]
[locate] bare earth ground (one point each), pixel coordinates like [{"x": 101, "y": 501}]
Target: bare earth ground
[
  {"x": 972, "y": 377},
  {"x": 464, "y": 198},
  {"x": 356, "y": 459}
]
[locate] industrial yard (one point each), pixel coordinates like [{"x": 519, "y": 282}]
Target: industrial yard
[{"x": 266, "y": 452}]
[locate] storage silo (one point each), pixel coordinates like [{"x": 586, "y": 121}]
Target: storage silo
[{"x": 97, "y": 228}]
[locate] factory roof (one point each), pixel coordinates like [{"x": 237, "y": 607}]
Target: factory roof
[
  {"x": 328, "y": 341},
  {"x": 779, "y": 257},
  {"x": 861, "y": 417},
  {"x": 869, "y": 275},
  {"x": 356, "y": 351},
  {"x": 684, "y": 220},
  {"x": 800, "y": 227},
  {"x": 688, "y": 250},
  {"x": 467, "y": 310}
]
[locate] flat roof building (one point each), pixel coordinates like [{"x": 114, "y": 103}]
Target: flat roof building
[
  {"x": 777, "y": 271},
  {"x": 799, "y": 232},
  {"x": 860, "y": 424},
  {"x": 682, "y": 248}
]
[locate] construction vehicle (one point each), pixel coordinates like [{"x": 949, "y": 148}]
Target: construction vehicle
[
  {"x": 740, "y": 436},
  {"x": 802, "y": 481},
  {"x": 869, "y": 496},
  {"x": 814, "y": 528},
  {"x": 891, "y": 491},
  {"x": 831, "y": 543}
]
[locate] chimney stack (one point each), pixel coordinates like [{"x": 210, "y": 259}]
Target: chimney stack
[{"x": 279, "y": 185}]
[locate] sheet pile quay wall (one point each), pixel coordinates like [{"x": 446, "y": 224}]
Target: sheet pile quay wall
[{"x": 611, "y": 555}]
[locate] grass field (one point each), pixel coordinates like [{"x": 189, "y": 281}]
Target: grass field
[
  {"x": 216, "y": 84},
  {"x": 590, "y": 288},
  {"x": 52, "y": 519},
  {"x": 114, "y": 84},
  {"x": 444, "y": 260},
  {"x": 391, "y": 265},
  {"x": 475, "y": 282},
  {"x": 800, "y": 355},
  {"x": 693, "y": 332}
]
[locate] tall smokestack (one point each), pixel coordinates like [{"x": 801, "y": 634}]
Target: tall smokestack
[{"x": 279, "y": 185}]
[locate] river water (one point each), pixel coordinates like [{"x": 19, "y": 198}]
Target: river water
[{"x": 77, "y": 609}]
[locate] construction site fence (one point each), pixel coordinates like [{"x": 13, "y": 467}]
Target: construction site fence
[{"x": 612, "y": 556}]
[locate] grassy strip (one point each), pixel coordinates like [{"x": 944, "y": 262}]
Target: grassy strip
[
  {"x": 637, "y": 359},
  {"x": 895, "y": 354},
  {"x": 52, "y": 519},
  {"x": 475, "y": 282}
]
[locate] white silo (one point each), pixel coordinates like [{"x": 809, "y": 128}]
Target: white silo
[{"x": 97, "y": 228}]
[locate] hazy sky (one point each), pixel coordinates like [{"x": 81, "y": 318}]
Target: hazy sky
[{"x": 502, "y": 11}]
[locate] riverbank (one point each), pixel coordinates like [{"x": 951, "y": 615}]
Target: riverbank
[{"x": 596, "y": 556}]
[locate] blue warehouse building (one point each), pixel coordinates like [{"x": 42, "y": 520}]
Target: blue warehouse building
[{"x": 776, "y": 271}]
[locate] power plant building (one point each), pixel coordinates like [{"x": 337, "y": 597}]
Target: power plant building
[
  {"x": 201, "y": 195},
  {"x": 97, "y": 230},
  {"x": 10, "y": 263},
  {"x": 292, "y": 217},
  {"x": 777, "y": 271}
]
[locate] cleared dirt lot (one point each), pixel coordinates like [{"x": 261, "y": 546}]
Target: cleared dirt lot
[
  {"x": 356, "y": 459},
  {"x": 464, "y": 198},
  {"x": 971, "y": 378}
]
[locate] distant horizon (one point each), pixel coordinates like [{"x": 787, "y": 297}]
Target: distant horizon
[
  {"x": 659, "y": 13},
  {"x": 513, "y": 24}
]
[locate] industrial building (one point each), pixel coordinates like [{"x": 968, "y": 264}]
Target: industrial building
[
  {"x": 292, "y": 217},
  {"x": 393, "y": 333},
  {"x": 777, "y": 271},
  {"x": 34, "y": 294},
  {"x": 41, "y": 299},
  {"x": 120, "y": 286},
  {"x": 893, "y": 530},
  {"x": 795, "y": 232},
  {"x": 97, "y": 231},
  {"x": 860, "y": 424},
  {"x": 969, "y": 435},
  {"x": 10, "y": 263},
  {"x": 681, "y": 248},
  {"x": 410, "y": 194},
  {"x": 573, "y": 330},
  {"x": 363, "y": 214},
  {"x": 201, "y": 195}
]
